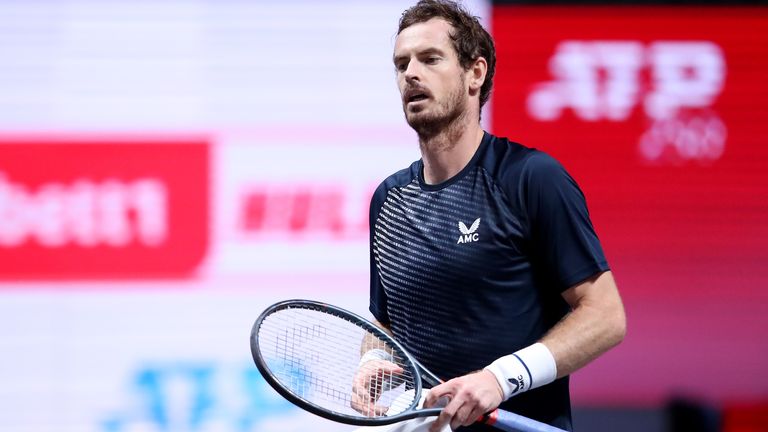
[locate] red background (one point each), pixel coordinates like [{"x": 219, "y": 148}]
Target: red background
[
  {"x": 687, "y": 241},
  {"x": 181, "y": 166}
]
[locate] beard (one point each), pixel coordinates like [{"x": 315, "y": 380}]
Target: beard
[{"x": 443, "y": 116}]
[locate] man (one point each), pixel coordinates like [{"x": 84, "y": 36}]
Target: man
[{"x": 484, "y": 262}]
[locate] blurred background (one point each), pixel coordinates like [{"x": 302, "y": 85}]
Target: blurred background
[{"x": 170, "y": 168}]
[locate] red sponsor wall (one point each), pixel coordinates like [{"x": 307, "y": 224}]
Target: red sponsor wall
[
  {"x": 659, "y": 113},
  {"x": 99, "y": 208}
]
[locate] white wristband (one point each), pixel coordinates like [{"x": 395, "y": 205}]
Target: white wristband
[
  {"x": 375, "y": 354},
  {"x": 527, "y": 369}
]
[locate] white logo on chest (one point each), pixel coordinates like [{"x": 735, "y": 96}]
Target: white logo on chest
[{"x": 468, "y": 235}]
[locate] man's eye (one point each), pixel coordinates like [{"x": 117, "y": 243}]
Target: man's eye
[
  {"x": 401, "y": 67},
  {"x": 433, "y": 60}
]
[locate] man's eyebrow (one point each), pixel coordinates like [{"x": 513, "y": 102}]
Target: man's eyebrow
[
  {"x": 425, "y": 51},
  {"x": 431, "y": 50},
  {"x": 396, "y": 58}
]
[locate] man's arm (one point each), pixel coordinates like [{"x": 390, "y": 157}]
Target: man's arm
[
  {"x": 372, "y": 342},
  {"x": 595, "y": 324}
]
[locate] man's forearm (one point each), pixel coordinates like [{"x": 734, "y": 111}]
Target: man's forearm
[
  {"x": 596, "y": 324},
  {"x": 371, "y": 342}
]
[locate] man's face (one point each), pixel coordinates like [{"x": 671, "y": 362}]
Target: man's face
[{"x": 432, "y": 83}]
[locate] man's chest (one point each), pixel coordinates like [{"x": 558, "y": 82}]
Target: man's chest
[{"x": 464, "y": 232}]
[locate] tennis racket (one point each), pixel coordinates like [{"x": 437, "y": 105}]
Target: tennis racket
[{"x": 310, "y": 353}]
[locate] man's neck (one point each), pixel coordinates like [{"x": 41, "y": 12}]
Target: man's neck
[{"x": 446, "y": 153}]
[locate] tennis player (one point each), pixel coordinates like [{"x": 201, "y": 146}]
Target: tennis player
[{"x": 484, "y": 262}]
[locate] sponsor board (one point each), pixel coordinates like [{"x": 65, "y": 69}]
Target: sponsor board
[
  {"x": 102, "y": 209},
  {"x": 298, "y": 207}
]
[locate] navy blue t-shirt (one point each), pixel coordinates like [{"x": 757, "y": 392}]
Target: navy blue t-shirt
[{"x": 472, "y": 269}]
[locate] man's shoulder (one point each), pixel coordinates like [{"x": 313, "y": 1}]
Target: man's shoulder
[
  {"x": 516, "y": 168},
  {"x": 505, "y": 159},
  {"x": 400, "y": 178}
]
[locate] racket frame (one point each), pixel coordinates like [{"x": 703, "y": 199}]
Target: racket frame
[{"x": 418, "y": 371}]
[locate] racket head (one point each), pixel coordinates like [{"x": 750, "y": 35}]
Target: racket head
[{"x": 309, "y": 352}]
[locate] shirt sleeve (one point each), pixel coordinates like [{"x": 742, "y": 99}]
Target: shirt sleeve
[
  {"x": 563, "y": 241},
  {"x": 378, "y": 297}
]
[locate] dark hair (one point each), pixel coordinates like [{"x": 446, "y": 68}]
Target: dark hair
[{"x": 470, "y": 39}]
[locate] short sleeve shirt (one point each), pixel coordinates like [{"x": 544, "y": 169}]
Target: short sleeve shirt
[{"x": 472, "y": 269}]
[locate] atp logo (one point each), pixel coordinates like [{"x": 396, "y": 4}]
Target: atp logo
[
  {"x": 601, "y": 80},
  {"x": 674, "y": 83},
  {"x": 468, "y": 235}
]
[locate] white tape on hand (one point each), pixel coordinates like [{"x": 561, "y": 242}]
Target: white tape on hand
[{"x": 375, "y": 354}]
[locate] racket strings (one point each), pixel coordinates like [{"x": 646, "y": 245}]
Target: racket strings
[{"x": 317, "y": 357}]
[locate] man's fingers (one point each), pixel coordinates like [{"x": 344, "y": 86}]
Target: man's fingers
[
  {"x": 372, "y": 379},
  {"x": 448, "y": 415},
  {"x": 361, "y": 402},
  {"x": 444, "y": 390},
  {"x": 376, "y": 371},
  {"x": 375, "y": 366},
  {"x": 476, "y": 415},
  {"x": 368, "y": 407},
  {"x": 445, "y": 417},
  {"x": 469, "y": 397},
  {"x": 463, "y": 416},
  {"x": 437, "y": 397},
  {"x": 378, "y": 410}
]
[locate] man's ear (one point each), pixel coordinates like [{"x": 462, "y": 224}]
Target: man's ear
[{"x": 477, "y": 74}]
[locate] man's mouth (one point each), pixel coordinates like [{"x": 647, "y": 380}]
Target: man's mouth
[{"x": 416, "y": 98}]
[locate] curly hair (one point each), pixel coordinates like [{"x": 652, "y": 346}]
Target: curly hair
[{"x": 470, "y": 39}]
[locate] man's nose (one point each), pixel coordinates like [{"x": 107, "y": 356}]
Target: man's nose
[{"x": 413, "y": 71}]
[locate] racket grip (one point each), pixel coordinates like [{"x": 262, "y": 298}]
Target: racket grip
[{"x": 511, "y": 422}]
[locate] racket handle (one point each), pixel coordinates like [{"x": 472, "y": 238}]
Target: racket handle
[{"x": 511, "y": 422}]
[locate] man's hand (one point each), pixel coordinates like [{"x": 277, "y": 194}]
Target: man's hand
[
  {"x": 470, "y": 397},
  {"x": 372, "y": 379}
]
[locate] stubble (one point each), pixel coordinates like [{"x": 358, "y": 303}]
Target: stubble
[{"x": 445, "y": 121}]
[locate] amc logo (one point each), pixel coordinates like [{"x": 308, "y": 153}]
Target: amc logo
[{"x": 102, "y": 209}]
